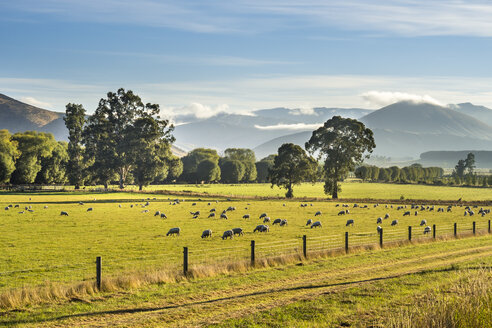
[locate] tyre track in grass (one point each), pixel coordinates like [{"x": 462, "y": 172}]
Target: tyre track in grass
[{"x": 238, "y": 302}]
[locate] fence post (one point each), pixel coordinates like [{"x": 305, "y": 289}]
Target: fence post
[
  {"x": 346, "y": 242},
  {"x": 455, "y": 229},
  {"x": 98, "y": 272},
  {"x": 474, "y": 227},
  {"x": 381, "y": 238},
  {"x": 304, "y": 245},
  {"x": 185, "y": 260},
  {"x": 253, "y": 252},
  {"x": 489, "y": 226},
  {"x": 409, "y": 233},
  {"x": 434, "y": 231}
]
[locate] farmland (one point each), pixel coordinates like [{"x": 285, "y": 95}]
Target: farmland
[{"x": 42, "y": 248}]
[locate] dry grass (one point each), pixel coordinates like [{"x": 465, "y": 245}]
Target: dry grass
[{"x": 467, "y": 304}]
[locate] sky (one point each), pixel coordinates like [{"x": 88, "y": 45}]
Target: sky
[{"x": 205, "y": 57}]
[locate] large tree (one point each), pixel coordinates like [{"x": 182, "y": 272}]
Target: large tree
[
  {"x": 292, "y": 166},
  {"x": 208, "y": 171},
  {"x": 341, "y": 143},
  {"x": 262, "y": 168},
  {"x": 8, "y": 155},
  {"x": 74, "y": 121},
  {"x": 109, "y": 134},
  {"x": 54, "y": 167},
  {"x": 245, "y": 156},
  {"x": 470, "y": 163},
  {"x": 232, "y": 170},
  {"x": 193, "y": 159}
]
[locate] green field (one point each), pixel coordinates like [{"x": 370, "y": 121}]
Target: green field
[
  {"x": 42, "y": 248},
  {"x": 350, "y": 190}
]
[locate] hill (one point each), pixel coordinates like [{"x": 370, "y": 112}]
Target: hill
[
  {"x": 481, "y": 113},
  {"x": 448, "y": 159}
]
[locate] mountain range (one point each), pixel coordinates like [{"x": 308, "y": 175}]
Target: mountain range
[{"x": 401, "y": 130}]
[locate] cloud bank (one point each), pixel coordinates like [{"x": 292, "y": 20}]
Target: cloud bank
[
  {"x": 35, "y": 102},
  {"x": 296, "y": 126},
  {"x": 385, "y": 98}
]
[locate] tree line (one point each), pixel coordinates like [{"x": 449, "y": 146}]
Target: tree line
[{"x": 414, "y": 173}]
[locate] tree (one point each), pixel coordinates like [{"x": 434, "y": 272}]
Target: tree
[
  {"x": 54, "y": 167},
  {"x": 208, "y": 171},
  {"x": 341, "y": 142},
  {"x": 8, "y": 155},
  {"x": 470, "y": 163},
  {"x": 291, "y": 167},
  {"x": 247, "y": 157},
  {"x": 193, "y": 158},
  {"x": 110, "y": 131},
  {"x": 262, "y": 168},
  {"x": 74, "y": 121},
  {"x": 33, "y": 146},
  {"x": 232, "y": 170},
  {"x": 459, "y": 169}
]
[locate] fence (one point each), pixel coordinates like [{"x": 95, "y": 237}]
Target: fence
[{"x": 302, "y": 247}]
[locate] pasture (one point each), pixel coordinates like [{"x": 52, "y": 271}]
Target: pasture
[{"x": 43, "y": 246}]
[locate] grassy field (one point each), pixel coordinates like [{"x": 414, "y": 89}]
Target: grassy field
[
  {"x": 42, "y": 248},
  {"x": 350, "y": 190}
]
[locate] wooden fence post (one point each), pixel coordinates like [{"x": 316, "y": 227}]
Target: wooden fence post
[
  {"x": 455, "y": 229},
  {"x": 381, "y": 238},
  {"x": 434, "y": 231},
  {"x": 409, "y": 233},
  {"x": 346, "y": 242},
  {"x": 489, "y": 226},
  {"x": 98, "y": 272},
  {"x": 185, "y": 260},
  {"x": 474, "y": 227},
  {"x": 253, "y": 252},
  {"x": 304, "y": 245}
]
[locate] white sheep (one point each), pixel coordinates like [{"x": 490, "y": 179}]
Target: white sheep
[
  {"x": 89, "y": 209},
  {"x": 276, "y": 221},
  {"x": 211, "y": 215},
  {"x": 262, "y": 228},
  {"x": 207, "y": 233},
  {"x": 317, "y": 213},
  {"x": 309, "y": 222},
  {"x": 406, "y": 213},
  {"x": 427, "y": 230},
  {"x": 379, "y": 220},
  {"x": 173, "y": 231},
  {"x": 394, "y": 222},
  {"x": 246, "y": 216},
  {"x": 266, "y": 220},
  {"x": 238, "y": 231},
  {"x": 283, "y": 222},
  {"x": 263, "y": 215},
  {"x": 379, "y": 229},
  {"x": 316, "y": 224},
  {"x": 163, "y": 216},
  {"x": 157, "y": 213},
  {"x": 223, "y": 216},
  {"x": 349, "y": 222},
  {"x": 64, "y": 213},
  {"x": 423, "y": 222}
]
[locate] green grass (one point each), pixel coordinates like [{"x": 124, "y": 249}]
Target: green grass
[{"x": 350, "y": 190}]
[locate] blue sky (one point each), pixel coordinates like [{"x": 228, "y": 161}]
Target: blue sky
[{"x": 210, "y": 56}]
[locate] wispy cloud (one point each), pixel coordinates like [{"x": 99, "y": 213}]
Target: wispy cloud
[
  {"x": 36, "y": 102},
  {"x": 384, "y": 98},
  {"x": 389, "y": 17},
  {"x": 196, "y": 109},
  {"x": 296, "y": 126}
]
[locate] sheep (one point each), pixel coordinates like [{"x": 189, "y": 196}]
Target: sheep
[
  {"x": 163, "y": 216},
  {"x": 283, "y": 204},
  {"x": 317, "y": 213},
  {"x": 263, "y": 215},
  {"x": 45, "y": 206},
  {"x": 145, "y": 211},
  {"x": 227, "y": 234},
  {"x": 194, "y": 204},
  {"x": 356, "y": 205},
  {"x": 406, "y": 213},
  {"x": 31, "y": 211},
  {"x": 195, "y": 217},
  {"x": 416, "y": 213},
  {"x": 316, "y": 224},
  {"x": 276, "y": 221},
  {"x": 22, "y": 212},
  {"x": 212, "y": 210},
  {"x": 341, "y": 213},
  {"x": 471, "y": 213},
  {"x": 423, "y": 222},
  {"x": 466, "y": 213},
  {"x": 386, "y": 216},
  {"x": 89, "y": 209},
  {"x": 119, "y": 205},
  {"x": 246, "y": 216},
  {"x": 173, "y": 231},
  {"x": 427, "y": 230},
  {"x": 266, "y": 219},
  {"x": 379, "y": 229},
  {"x": 238, "y": 231},
  {"x": 211, "y": 215},
  {"x": 231, "y": 208},
  {"x": 64, "y": 213},
  {"x": 349, "y": 222},
  {"x": 195, "y": 213},
  {"x": 283, "y": 222},
  {"x": 81, "y": 203},
  {"x": 347, "y": 212},
  {"x": 449, "y": 209},
  {"x": 223, "y": 216},
  {"x": 394, "y": 222},
  {"x": 309, "y": 222},
  {"x": 207, "y": 233},
  {"x": 7, "y": 208},
  {"x": 262, "y": 228},
  {"x": 379, "y": 220},
  {"x": 157, "y": 213},
  {"x": 131, "y": 206}
]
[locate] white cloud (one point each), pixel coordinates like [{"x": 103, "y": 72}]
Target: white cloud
[
  {"x": 296, "y": 126},
  {"x": 384, "y": 98},
  {"x": 196, "y": 109},
  {"x": 35, "y": 102},
  {"x": 303, "y": 111}
]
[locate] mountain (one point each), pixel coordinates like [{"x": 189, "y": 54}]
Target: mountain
[
  {"x": 272, "y": 146},
  {"x": 481, "y": 113},
  {"x": 448, "y": 159}
]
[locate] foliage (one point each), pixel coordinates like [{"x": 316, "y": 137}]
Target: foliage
[
  {"x": 247, "y": 157},
  {"x": 341, "y": 143},
  {"x": 413, "y": 173},
  {"x": 193, "y": 159},
  {"x": 232, "y": 170},
  {"x": 262, "y": 168},
  {"x": 8, "y": 155},
  {"x": 291, "y": 167},
  {"x": 54, "y": 167},
  {"x": 74, "y": 121},
  {"x": 208, "y": 171}
]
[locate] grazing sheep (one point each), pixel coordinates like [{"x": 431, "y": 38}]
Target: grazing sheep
[
  {"x": 89, "y": 209},
  {"x": 173, "y": 231},
  {"x": 211, "y": 215},
  {"x": 195, "y": 213},
  {"x": 283, "y": 204},
  {"x": 276, "y": 221},
  {"x": 263, "y": 215},
  {"x": 119, "y": 205},
  {"x": 223, "y": 216},
  {"x": 262, "y": 228},
  {"x": 406, "y": 213},
  {"x": 394, "y": 222},
  {"x": 466, "y": 213},
  {"x": 309, "y": 222},
  {"x": 81, "y": 203},
  {"x": 131, "y": 206},
  {"x": 386, "y": 216},
  {"x": 349, "y": 222},
  {"x": 423, "y": 222},
  {"x": 379, "y": 220},
  {"x": 22, "y": 212},
  {"x": 207, "y": 233},
  {"x": 427, "y": 230},
  {"x": 212, "y": 210},
  {"x": 316, "y": 224},
  {"x": 449, "y": 209},
  {"x": 246, "y": 216},
  {"x": 238, "y": 231},
  {"x": 416, "y": 213},
  {"x": 31, "y": 211},
  {"x": 163, "y": 216},
  {"x": 64, "y": 213},
  {"x": 227, "y": 234},
  {"x": 471, "y": 213},
  {"x": 317, "y": 213},
  {"x": 194, "y": 204},
  {"x": 341, "y": 213},
  {"x": 283, "y": 222},
  {"x": 266, "y": 219},
  {"x": 379, "y": 229},
  {"x": 45, "y": 206},
  {"x": 145, "y": 211},
  {"x": 195, "y": 217},
  {"x": 356, "y": 205},
  {"x": 7, "y": 208}
]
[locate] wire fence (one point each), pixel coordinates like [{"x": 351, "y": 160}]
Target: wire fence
[{"x": 184, "y": 261}]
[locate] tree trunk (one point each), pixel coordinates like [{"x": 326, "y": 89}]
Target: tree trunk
[
  {"x": 77, "y": 187},
  {"x": 122, "y": 186},
  {"x": 106, "y": 185},
  {"x": 334, "y": 194},
  {"x": 140, "y": 187},
  {"x": 290, "y": 192}
]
